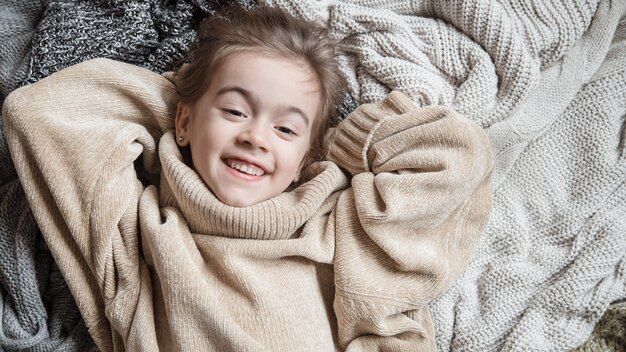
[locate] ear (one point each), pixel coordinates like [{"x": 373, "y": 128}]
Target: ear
[{"x": 183, "y": 121}]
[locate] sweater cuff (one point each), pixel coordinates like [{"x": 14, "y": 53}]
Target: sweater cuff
[
  {"x": 349, "y": 143},
  {"x": 351, "y": 140}
]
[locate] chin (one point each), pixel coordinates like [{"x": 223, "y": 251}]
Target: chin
[
  {"x": 237, "y": 202},
  {"x": 240, "y": 200}
]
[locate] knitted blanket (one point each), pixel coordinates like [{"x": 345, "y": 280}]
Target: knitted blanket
[
  {"x": 17, "y": 27},
  {"x": 545, "y": 78},
  {"x": 37, "y": 312}
]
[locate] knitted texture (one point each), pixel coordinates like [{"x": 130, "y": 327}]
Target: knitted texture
[
  {"x": 523, "y": 70},
  {"x": 17, "y": 27},
  {"x": 546, "y": 79},
  {"x": 327, "y": 264},
  {"x": 37, "y": 311},
  {"x": 153, "y": 34}
]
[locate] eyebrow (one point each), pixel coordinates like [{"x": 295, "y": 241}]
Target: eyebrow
[{"x": 251, "y": 97}]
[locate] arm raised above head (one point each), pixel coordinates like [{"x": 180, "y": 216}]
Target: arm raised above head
[
  {"x": 74, "y": 137},
  {"x": 420, "y": 198}
]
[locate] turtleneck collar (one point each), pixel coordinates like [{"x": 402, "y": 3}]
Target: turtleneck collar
[{"x": 273, "y": 219}]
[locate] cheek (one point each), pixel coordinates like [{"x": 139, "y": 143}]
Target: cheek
[
  {"x": 208, "y": 136},
  {"x": 293, "y": 156}
]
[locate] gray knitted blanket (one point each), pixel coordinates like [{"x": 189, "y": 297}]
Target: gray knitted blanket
[
  {"x": 37, "y": 311},
  {"x": 545, "y": 78}
]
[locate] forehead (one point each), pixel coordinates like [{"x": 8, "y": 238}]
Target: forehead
[{"x": 274, "y": 80}]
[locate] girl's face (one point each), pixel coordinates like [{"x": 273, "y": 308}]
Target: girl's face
[{"x": 250, "y": 130}]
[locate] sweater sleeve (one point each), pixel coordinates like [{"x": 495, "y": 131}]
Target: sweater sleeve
[
  {"x": 74, "y": 138},
  {"x": 407, "y": 228}
]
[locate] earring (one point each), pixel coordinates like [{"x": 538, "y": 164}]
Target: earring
[{"x": 180, "y": 139}]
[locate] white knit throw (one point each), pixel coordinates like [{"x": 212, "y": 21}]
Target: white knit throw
[{"x": 547, "y": 79}]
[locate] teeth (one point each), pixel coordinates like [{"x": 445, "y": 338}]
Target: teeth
[{"x": 245, "y": 168}]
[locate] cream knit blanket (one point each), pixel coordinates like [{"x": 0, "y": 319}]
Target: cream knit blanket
[{"x": 547, "y": 79}]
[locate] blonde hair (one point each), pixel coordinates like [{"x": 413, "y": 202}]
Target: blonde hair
[{"x": 273, "y": 31}]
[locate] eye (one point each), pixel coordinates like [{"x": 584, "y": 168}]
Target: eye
[
  {"x": 235, "y": 113},
  {"x": 286, "y": 130}
]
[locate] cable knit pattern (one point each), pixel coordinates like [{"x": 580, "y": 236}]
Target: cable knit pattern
[{"x": 313, "y": 269}]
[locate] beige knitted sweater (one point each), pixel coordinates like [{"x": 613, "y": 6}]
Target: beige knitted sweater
[{"x": 344, "y": 261}]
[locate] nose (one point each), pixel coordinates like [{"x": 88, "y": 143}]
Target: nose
[{"x": 255, "y": 136}]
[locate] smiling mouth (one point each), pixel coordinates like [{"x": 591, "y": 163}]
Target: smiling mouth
[{"x": 245, "y": 168}]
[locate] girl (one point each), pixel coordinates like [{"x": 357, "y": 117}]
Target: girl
[{"x": 248, "y": 242}]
